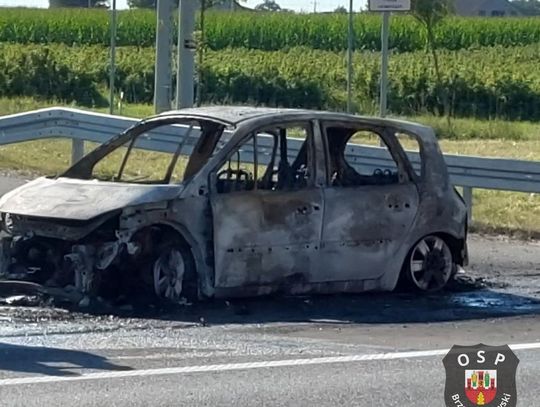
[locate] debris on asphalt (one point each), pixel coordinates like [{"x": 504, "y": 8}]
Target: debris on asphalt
[
  {"x": 22, "y": 300},
  {"x": 465, "y": 282}
]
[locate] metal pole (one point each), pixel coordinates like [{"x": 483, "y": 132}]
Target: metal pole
[
  {"x": 186, "y": 54},
  {"x": 112, "y": 68},
  {"x": 163, "y": 70},
  {"x": 350, "y": 44},
  {"x": 384, "y": 63}
]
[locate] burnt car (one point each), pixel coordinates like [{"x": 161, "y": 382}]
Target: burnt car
[{"x": 237, "y": 201}]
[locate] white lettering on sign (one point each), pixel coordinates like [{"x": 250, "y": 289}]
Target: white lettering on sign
[{"x": 389, "y": 5}]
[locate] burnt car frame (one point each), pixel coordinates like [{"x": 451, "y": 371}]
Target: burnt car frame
[{"x": 247, "y": 215}]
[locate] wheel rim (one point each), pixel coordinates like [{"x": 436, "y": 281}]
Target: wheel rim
[
  {"x": 431, "y": 264},
  {"x": 168, "y": 275}
]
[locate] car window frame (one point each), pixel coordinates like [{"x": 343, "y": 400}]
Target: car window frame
[
  {"x": 84, "y": 168},
  {"x": 386, "y": 134},
  {"x": 312, "y": 132}
]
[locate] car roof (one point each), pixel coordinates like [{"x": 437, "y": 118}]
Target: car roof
[{"x": 235, "y": 115}]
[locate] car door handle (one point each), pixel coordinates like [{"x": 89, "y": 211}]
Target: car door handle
[
  {"x": 303, "y": 210},
  {"x": 307, "y": 209}
]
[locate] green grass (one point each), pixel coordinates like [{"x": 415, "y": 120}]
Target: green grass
[
  {"x": 475, "y": 130},
  {"x": 501, "y": 148},
  {"x": 481, "y": 129},
  {"x": 494, "y": 211},
  {"x": 24, "y": 104},
  {"x": 515, "y": 214}
]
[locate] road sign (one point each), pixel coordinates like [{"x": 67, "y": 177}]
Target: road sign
[{"x": 389, "y": 5}]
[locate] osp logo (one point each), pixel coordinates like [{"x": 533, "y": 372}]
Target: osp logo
[{"x": 480, "y": 375}]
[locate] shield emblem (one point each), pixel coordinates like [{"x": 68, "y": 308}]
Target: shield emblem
[
  {"x": 481, "y": 386},
  {"x": 480, "y": 375}
]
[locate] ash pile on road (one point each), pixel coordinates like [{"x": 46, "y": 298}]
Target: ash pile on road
[{"x": 464, "y": 282}]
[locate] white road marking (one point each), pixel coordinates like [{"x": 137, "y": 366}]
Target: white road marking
[{"x": 239, "y": 366}]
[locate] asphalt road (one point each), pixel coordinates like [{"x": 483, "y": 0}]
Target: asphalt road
[
  {"x": 363, "y": 350},
  {"x": 9, "y": 182}
]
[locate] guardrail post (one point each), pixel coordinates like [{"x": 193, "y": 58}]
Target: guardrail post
[
  {"x": 468, "y": 197},
  {"x": 77, "y": 150}
]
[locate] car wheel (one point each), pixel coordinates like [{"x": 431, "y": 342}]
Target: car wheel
[
  {"x": 171, "y": 272},
  {"x": 430, "y": 264}
]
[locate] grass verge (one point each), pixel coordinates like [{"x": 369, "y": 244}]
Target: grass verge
[{"x": 459, "y": 129}]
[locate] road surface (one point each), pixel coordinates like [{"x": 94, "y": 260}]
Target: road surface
[{"x": 363, "y": 350}]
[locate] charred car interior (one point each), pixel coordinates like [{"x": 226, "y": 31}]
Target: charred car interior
[{"x": 232, "y": 201}]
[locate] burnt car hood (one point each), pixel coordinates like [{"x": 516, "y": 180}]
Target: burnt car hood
[{"x": 67, "y": 198}]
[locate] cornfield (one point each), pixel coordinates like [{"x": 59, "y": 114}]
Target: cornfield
[
  {"x": 263, "y": 31},
  {"x": 486, "y": 82}
]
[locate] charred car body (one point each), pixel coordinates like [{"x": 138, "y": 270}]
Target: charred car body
[{"x": 240, "y": 202}]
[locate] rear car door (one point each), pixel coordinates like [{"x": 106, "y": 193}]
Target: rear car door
[{"x": 371, "y": 201}]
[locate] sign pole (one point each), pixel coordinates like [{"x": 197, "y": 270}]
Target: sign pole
[
  {"x": 386, "y": 7},
  {"x": 112, "y": 70},
  {"x": 384, "y": 63},
  {"x": 350, "y": 44}
]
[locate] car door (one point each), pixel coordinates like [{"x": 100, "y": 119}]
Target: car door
[
  {"x": 267, "y": 212},
  {"x": 371, "y": 201}
]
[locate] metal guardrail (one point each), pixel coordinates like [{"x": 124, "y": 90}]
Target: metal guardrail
[{"x": 80, "y": 126}]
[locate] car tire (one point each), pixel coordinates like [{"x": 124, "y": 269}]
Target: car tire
[
  {"x": 173, "y": 274},
  {"x": 430, "y": 265}
]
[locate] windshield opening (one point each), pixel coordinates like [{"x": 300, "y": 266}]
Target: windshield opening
[{"x": 162, "y": 154}]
